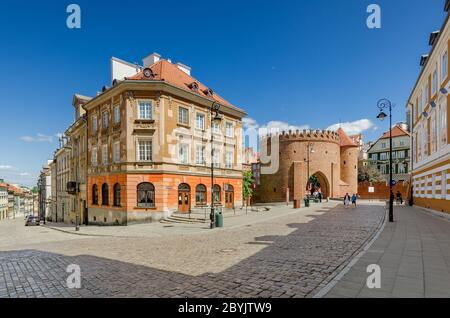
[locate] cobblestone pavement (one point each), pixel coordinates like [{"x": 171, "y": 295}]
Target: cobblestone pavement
[{"x": 290, "y": 256}]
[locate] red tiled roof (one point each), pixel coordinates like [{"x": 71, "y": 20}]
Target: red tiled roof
[
  {"x": 163, "y": 70},
  {"x": 397, "y": 131},
  {"x": 345, "y": 140}
]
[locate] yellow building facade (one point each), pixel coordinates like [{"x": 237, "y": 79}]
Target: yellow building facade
[{"x": 429, "y": 118}]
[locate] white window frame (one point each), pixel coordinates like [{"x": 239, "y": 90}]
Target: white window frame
[
  {"x": 183, "y": 153},
  {"x": 229, "y": 129},
  {"x": 145, "y": 112},
  {"x": 200, "y": 155},
  {"x": 215, "y": 127},
  {"x": 229, "y": 159},
  {"x": 94, "y": 123},
  {"x": 94, "y": 158},
  {"x": 116, "y": 111},
  {"x": 434, "y": 82},
  {"x": 146, "y": 157},
  {"x": 216, "y": 158},
  {"x": 198, "y": 124},
  {"x": 444, "y": 65},
  {"x": 116, "y": 151},
  {"x": 182, "y": 109},
  {"x": 105, "y": 119},
  {"x": 105, "y": 154}
]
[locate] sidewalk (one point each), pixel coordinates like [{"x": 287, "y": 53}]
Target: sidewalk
[
  {"x": 413, "y": 254},
  {"x": 161, "y": 229}
]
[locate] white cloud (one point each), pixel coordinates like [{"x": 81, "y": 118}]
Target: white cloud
[
  {"x": 24, "y": 174},
  {"x": 6, "y": 167},
  {"x": 38, "y": 138},
  {"x": 250, "y": 123},
  {"x": 355, "y": 127}
]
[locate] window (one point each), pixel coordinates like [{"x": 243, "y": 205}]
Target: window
[
  {"x": 200, "y": 121},
  {"x": 426, "y": 97},
  {"x": 216, "y": 158},
  {"x": 117, "y": 195},
  {"x": 145, "y": 110},
  {"x": 200, "y": 155},
  {"x": 401, "y": 168},
  {"x": 229, "y": 160},
  {"x": 433, "y": 139},
  {"x": 183, "y": 154},
  {"x": 383, "y": 145},
  {"x": 434, "y": 83},
  {"x": 146, "y": 195},
  {"x": 229, "y": 132},
  {"x": 402, "y": 143},
  {"x": 94, "y": 123},
  {"x": 144, "y": 150},
  {"x": 425, "y": 139},
  {"x": 116, "y": 114},
  {"x": 401, "y": 154},
  {"x": 443, "y": 125},
  {"x": 215, "y": 128},
  {"x": 183, "y": 116},
  {"x": 444, "y": 65},
  {"x": 374, "y": 156},
  {"x": 116, "y": 151},
  {"x": 105, "y": 194},
  {"x": 383, "y": 169},
  {"x": 217, "y": 194},
  {"x": 105, "y": 120},
  {"x": 105, "y": 154},
  {"x": 200, "y": 195},
  {"x": 383, "y": 156},
  {"x": 95, "y": 194},
  {"x": 420, "y": 103},
  {"x": 94, "y": 156}
]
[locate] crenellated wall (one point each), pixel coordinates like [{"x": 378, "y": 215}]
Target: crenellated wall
[{"x": 326, "y": 161}]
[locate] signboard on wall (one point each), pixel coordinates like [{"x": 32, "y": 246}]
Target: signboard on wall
[
  {"x": 256, "y": 171},
  {"x": 371, "y": 190}
]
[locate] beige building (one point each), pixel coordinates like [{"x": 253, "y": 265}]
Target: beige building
[
  {"x": 62, "y": 163},
  {"x": 3, "y": 200},
  {"x": 429, "y": 116},
  {"x": 149, "y": 145}
]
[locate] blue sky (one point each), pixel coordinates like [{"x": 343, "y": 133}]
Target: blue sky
[{"x": 309, "y": 62}]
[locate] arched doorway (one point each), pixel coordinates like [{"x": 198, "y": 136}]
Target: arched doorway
[
  {"x": 229, "y": 196},
  {"x": 184, "y": 198},
  {"x": 321, "y": 184}
]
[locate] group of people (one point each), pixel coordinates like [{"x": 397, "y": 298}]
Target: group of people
[{"x": 352, "y": 199}]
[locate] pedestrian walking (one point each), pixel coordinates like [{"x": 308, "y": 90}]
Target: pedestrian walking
[
  {"x": 347, "y": 200},
  {"x": 354, "y": 198}
]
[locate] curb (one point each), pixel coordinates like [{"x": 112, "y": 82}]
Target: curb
[{"x": 325, "y": 290}]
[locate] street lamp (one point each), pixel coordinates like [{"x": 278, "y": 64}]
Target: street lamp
[
  {"x": 215, "y": 118},
  {"x": 385, "y": 104}
]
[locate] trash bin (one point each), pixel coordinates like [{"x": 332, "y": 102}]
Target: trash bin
[
  {"x": 306, "y": 200},
  {"x": 219, "y": 219}
]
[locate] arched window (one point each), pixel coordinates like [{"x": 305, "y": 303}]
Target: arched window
[
  {"x": 95, "y": 194},
  {"x": 146, "y": 195},
  {"x": 200, "y": 195},
  {"x": 105, "y": 194},
  {"x": 184, "y": 187},
  {"x": 117, "y": 194},
  {"x": 217, "y": 194}
]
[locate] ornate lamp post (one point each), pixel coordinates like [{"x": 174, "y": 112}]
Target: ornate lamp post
[
  {"x": 215, "y": 118},
  {"x": 385, "y": 104},
  {"x": 308, "y": 160}
]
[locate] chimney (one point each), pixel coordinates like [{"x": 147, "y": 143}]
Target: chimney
[
  {"x": 151, "y": 59},
  {"x": 184, "y": 68}
]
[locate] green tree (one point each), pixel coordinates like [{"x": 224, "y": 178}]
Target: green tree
[
  {"x": 247, "y": 185},
  {"x": 370, "y": 174},
  {"x": 34, "y": 190}
]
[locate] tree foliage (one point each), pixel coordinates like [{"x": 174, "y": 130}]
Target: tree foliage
[
  {"x": 370, "y": 174},
  {"x": 247, "y": 185}
]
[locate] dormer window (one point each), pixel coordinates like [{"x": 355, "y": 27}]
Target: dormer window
[
  {"x": 208, "y": 92},
  {"x": 148, "y": 73},
  {"x": 193, "y": 86}
]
